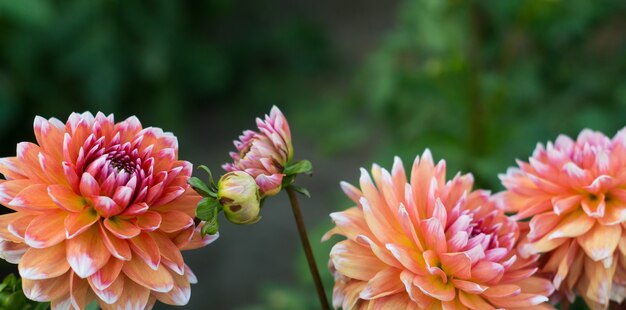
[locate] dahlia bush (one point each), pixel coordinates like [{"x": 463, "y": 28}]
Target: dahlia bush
[
  {"x": 102, "y": 211},
  {"x": 427, "y": 243},
  {"x": 574, "y": 191}
]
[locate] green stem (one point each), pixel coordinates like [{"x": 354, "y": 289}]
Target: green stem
[{"x": 297, "y": 214}]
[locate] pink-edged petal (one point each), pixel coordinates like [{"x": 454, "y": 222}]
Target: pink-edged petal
[
  {"x": 86, "y": 253},
  {"x": 469, "y": 286},
  {"x": 434, "y": 287},
  {"x": 79, "y": 289},
  {"x": 159, "y": 280},
  {"x": 37, "y": 264},
  {"x": 269, "y": 184},
  {"x": 89, "y": 186},
  {"x": 385, "y": 282},
  {"x": 45, "y": 230},
  {"x": 134, "y": 296},
  {"x": 473, "y": 301},
  {"x": 106, "y": 275},
  {"x": 173, "y": 221},
  {"x": 149, "y": 221},
  {"x": 76, "y": 223},
  {"x": 112, "y": 292},
  {"x": 179, "y": 295},
  {"x": 123, "y": 195},
  {"x": 119, "y": 248},
  {"x": 46, "y": 289},
  {"x": 121, "y": 228},
  {"x": 502, "y": 290},
  {"x": 65, "y": 198},
  {"x": 147, "y": 249},
  {"x": 195, "y": 240},
  {"x": 572, "y": 225},
  {"x": 12, "y": 252},
  {"x": 106, "y": 206},
  {"x": 601, "y": 241},
  {"x": 170, "y": 254},
  {"x": 456, "y": 264},
  {"x": 355, "y": 261},
  {"x": 34, "y": 197}
]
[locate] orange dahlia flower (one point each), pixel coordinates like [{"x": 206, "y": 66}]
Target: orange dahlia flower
[
  {"x": 575, "y": 192},
  {"x": 428, "y": 244},
  {"x": 102, "y": 211}
]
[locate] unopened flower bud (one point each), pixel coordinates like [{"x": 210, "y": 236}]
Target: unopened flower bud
[{"x": 238, "y": 193}]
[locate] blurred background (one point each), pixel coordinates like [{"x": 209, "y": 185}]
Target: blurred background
[{"x": 477, "y": 82}]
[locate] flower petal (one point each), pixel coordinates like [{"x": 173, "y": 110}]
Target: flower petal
[
  {"x": 86, "y": 253},
  {"x": 121, "y": 228},
  {"x": 173, "y": 221},
  {"x": 147, "y": 249},
  {"x": 159, "y": 279},
  {"x": 601, "y": 241},
  {"x": 119, "y": 248},
  {"x": 44, "y": 231},
  {"x": 65, "y": 198},
  {"x": 76, "y": 223},
  {"x": 37, "y": 264},
  {"x": 385, "y": 282}
]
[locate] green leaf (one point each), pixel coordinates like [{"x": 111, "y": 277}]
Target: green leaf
[
  {"x": 210, "y": 227},
  {"x": 207, "y": 208},
  {"x": 301, "y": 190},
  {"x": 303, "y": 166},
  {"x": 200, "y": 187},
  {"x": 208, "y": 171}
]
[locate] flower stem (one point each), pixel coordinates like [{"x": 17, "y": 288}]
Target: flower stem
[{"x": 321, "y": 294}]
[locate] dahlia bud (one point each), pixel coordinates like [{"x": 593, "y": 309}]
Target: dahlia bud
[{"x": 238, "y": 193}]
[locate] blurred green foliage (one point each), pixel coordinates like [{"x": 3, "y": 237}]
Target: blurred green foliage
[
  {"x": 163, "y": 60},
  {"x": 12, "y": 297},
  {"x": 481, "y": 82}
]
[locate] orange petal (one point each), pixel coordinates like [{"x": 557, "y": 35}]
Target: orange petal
[
  {"x": 173, "y": 221},
  {"x": 179, "y": 295},
  {"x": 121, "y": 228},
  {"x": 147, "y": 249},
  {"x": 118, "y": 247},
  {"x": 469, "y": 286},
  {"x": 474, "y": 301},
  {"x": 15, "y": 234},
  {"x": 46, "y": 290},
  {"x": 78, "y": 291},
  {"x": 599, "y": 277},
  {"x": 541, "y": 224},
  {"x": 502, "y": 290},
  {"x": 195, "y": 240},
  {"x": 112, "y": 292},
  {"x": 76, "y": 223},
  {"x": 65, "y": 198},
  {"x": 12, "y": 252},
  {"x": 34, "y": 197},
  {"x": 385, "y": 282},
  {"x": 133, "y": 296},
  {"x": 170, "y": 254},
  {"x": 434, "y": 287},
  {"x": 46, "y": 230},
  {"x": 107, "y": 274},
  {"x": 601, "y": 241},
  {"x": 149, "y": 221},
  {"x": 573, "y": 225},
  {"x": 10, "y": 189},
  {"x": 519, "y": 301},
  {"x": 434, "y": 235},
  {"x": 86, "y": 253},
  {"x": 355, "y": 261},
  {"x": 45, "y": 263},
  {"x": 487, "y": 272},
  {"x": 408, "y": 258},
  {"x": 10, "y": 167},
  {"x": 159, "y": 280},
  {"x": 456, "y": 264},
  {"x": 28, "y": 155},
  {"x": 536, "y": 285}
]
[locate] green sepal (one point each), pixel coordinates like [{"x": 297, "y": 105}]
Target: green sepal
[
  {"x": 301, "y": 190},
  {"x": 303, "y": 166},
  {"x": 208, "y": 171},
  {"x": 201, "y": 187},
  {"x": 210, "y": 227},
  {"x": 207, "y": 210}
]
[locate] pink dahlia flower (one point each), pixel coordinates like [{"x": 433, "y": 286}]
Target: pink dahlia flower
[
  {"x": 264, "y": 154},
  {"x": 575, "y": 192},
  {"x": 102, "y": 211},
  {"x": 428, "y": 244}
]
